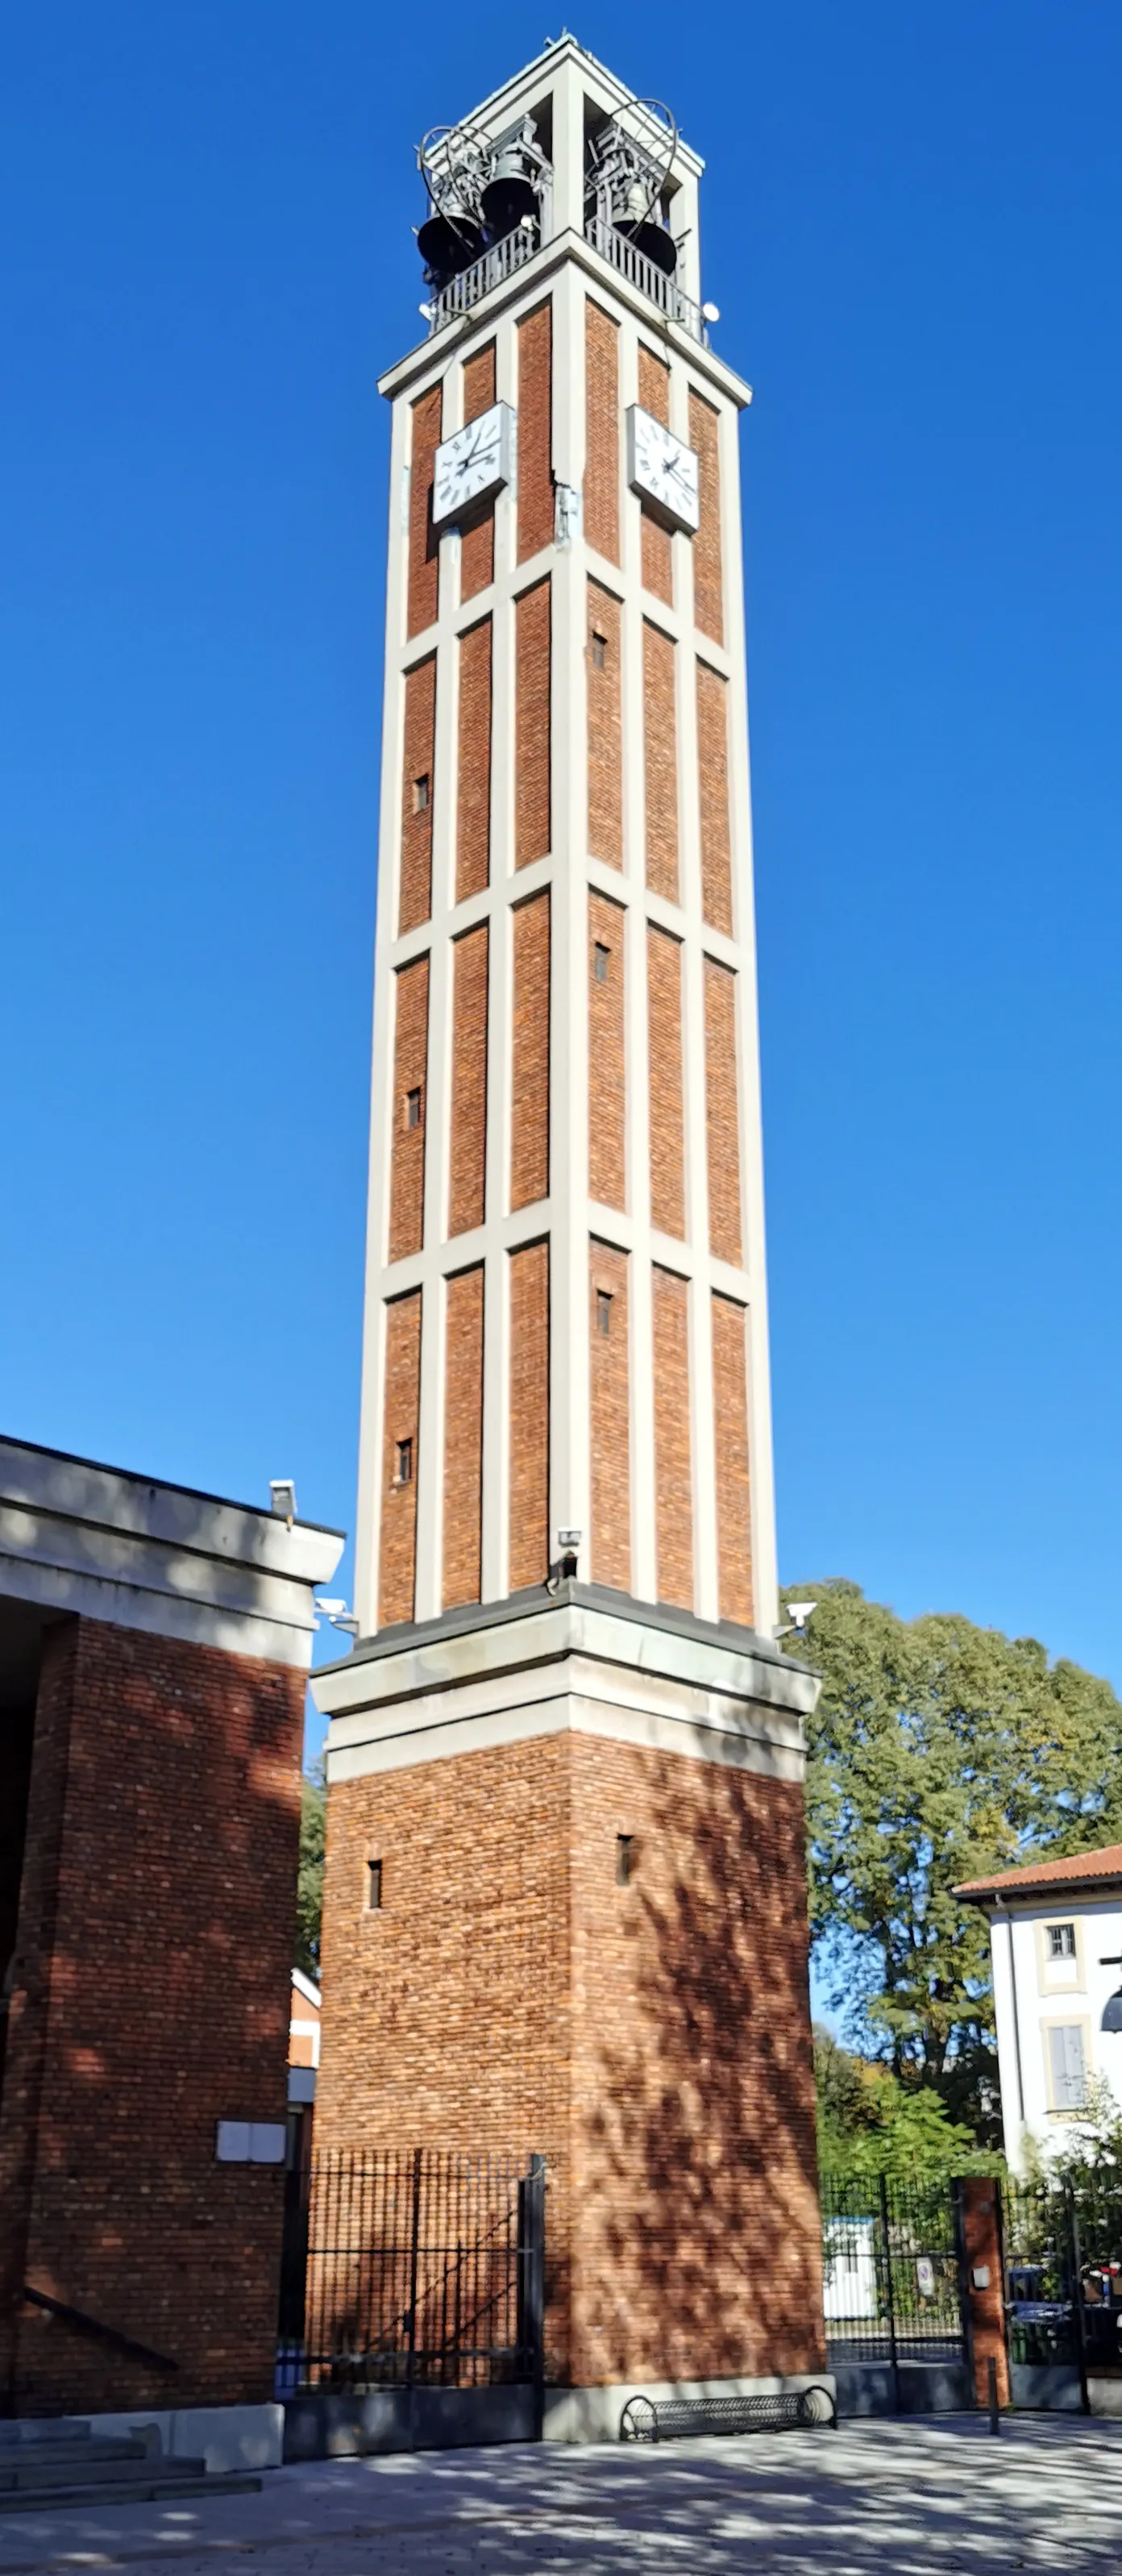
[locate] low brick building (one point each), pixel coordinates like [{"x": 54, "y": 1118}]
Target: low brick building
[{"x": 154, "y": 1644}]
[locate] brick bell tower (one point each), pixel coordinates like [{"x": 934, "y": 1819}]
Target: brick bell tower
[{"x": 565, "y": 1906}]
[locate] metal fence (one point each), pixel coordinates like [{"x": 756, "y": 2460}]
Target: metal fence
[
  {"x": 893, "y": 2267},
  {"x": 1063, "y": 2274},
  {"x": 414, "y": 2269}
]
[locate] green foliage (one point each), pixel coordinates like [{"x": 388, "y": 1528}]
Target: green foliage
[
  {"x": 870, "y": 2122},
  {"x": 1087, "y": 2150},
  {"x": 938, "y": 1751},
  {"x": 309, "y": 1885}
]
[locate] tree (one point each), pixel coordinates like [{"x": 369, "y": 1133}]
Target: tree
[
  {"x": 938, "y": 1751},
  {"x": 309, "y": 1885},
  {"x": 869, "y": 2122}
]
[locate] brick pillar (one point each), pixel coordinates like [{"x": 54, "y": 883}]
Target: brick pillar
[{"x": 981, "y": 2225}]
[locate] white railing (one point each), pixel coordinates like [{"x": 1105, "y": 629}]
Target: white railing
[
  {"x": 501, "y": 261},
  {"x": 642, "y": 272}
]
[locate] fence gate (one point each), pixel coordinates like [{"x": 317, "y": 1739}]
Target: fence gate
[
  {"x": 408, "y": 2270},
  {"x": 894, "y": 2270},
  {"x": 1063, "y": 2290}
]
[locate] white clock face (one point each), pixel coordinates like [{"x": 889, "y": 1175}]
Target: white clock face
[
  {"x": 473, "y": 463},
  {"x": 662, "y": 470}
]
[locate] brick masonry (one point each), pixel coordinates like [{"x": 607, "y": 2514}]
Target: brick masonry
[
  {"x": 473, "y": 785},
  {"x": 651, "y": 2040},
  {"x": 424, "y": 559},
  {"x": 468, "y": 1156},
  {"x": 161, "y": 1852},
  {"x": 609, "y": 1428},
  {"x": 477, "y": 541},
  {"x": 418, "y": 765},
  {"x": 601, "y": 431},
  {"x": 708, "y": 608},
  {"x": 407, "y": 1153},
  {"x": 730, "y": 1437},
  {"x": 606, "y": 1076},
  {"x": 535, "y": 457},
  {"x": 713, "y": 798},
  {"x": 529, "y": 1416},
  {"x": 722, "y": 1117},
  {"x": 529, "y": 1119},
  {"x": 532, "y": 823},
  {"x": 664, "y": 1019},
  {"x": 656, "y": 541},
  {"x": 463, "y": 1436},
  {"x": 605, "y": 739},
  {"x": 673, "y": 1480},
  {"x": 398, "y": 1564},
  {"x": 660, "y": 762}
]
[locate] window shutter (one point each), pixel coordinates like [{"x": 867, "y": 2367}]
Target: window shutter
[{"x": 1069, "y": 2067}]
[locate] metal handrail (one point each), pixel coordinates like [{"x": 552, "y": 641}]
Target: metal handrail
[
  {"x": 503, "y": 260},
  {"x": 642, "y": 272},
  {"x": 87, "y": 2325}
]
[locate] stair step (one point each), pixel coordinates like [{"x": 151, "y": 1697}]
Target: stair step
[
  {"x": 63, "y": 2468},
  {"x": 147, "y": 2490}
]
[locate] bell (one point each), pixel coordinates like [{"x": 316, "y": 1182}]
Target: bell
[
  {"x": 655, "y": 243},
  {"x": 509, "y": 195},
  {"x": 1112, "y": 2017},
  {"x": 446, "y": 247}
]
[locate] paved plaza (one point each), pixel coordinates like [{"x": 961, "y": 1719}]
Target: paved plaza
[{"x": 896, "y": 2499}]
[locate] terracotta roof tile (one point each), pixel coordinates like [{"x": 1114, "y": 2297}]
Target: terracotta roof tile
[{"x": 1104, "y": 1863}]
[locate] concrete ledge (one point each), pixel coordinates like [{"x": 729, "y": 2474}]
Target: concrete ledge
[
  {"x": 1051, "y": 2387},
  {"x": 226, "y": 2437},
  {"x": 593, "y": 2414},
  {"x": 334, "y": 2424},
  {"x": 924, "y": 2388}
]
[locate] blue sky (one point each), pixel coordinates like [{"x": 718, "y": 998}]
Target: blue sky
[{"x": 912, "y": 226}]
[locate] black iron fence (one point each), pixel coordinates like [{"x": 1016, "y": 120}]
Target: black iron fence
[
  {"x": 1063, "y": 2274},
  {"x": 893, "y": 2271},
  {"x": 415, "y": 2269}
]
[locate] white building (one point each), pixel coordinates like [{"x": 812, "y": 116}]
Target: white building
[{"x": 1056, "y": 1947}]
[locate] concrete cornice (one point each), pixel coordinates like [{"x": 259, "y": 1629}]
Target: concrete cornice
[{"x": 140, "y": 1553}]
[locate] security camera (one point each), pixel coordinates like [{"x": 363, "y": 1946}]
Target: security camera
[
  {"x": 567, "y": 1540},
  {"x": 800, "y": 1612},
  {"x": 283, "y": 1497}
]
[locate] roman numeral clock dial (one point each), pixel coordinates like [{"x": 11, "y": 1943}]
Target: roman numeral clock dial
[
  {"x": 663, "y": 471},
  {"x": 473, "y": 465}
]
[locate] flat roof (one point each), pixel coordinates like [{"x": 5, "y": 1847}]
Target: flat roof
[{"x": 163, "y": 1484}]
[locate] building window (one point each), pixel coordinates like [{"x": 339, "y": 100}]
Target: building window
[
  {"x": 600, "y": 956},
  {"x": 404, "y": 1462},
  {"x": 625, "y": 1859},
  {"x": 599, "y": 652},
  {"x": 420, "y": 793},
  {"x": 373, "y": 1887},
  {"x": 1061, "y": 1940},
  {"x": 1067, "y": 2066},
  {"x": 413, "y": 1107},
  {"x": 603, "y": 1311}
]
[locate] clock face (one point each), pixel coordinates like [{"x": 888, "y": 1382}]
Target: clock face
[
  {"x": 662, "y": 470},
  {"x": 473, "y": 463}
]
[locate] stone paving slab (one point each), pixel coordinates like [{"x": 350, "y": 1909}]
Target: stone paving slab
[{"x": 875, "y": 2499}]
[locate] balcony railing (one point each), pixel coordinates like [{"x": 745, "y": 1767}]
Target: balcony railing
[{"x": 506, "y": 257}]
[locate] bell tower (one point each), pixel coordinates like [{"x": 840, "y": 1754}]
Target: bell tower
[{"x": 565, "y": 1733}]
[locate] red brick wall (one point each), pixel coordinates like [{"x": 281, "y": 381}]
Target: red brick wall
[
  {"x": 407, "y": 1151},
  {"x": 713, "y": 784},
  {"x": 529, "y": 1108},
  {"x": 397, "y": 1569},
  {"x": 982, "y": 2248},
  {"x": 708, "y": 608},
  {"x": 473, "y": 791},
  {"x": 468, "y": 1150},
  {"x": 424, "y": 560},
  {"x": 477, "y": 543},
  {"x": 673, "y": 1486},
  {"x": 529, "y": 1416},
  {"x": 657, "y": 543},
  {"x": 463, "y": 1437},
  {"x": 722, "y": 1118},
  {"x": 610, "y": 1423},
  {"x": 535, "y": 453},
  {"x": 415, "y": 886},
  {"x": 605, "y": 749},
  {"x": 660, "y": 762},
  {"x": 730, "y": 1432},
  {"x": 162, "y": 1846},
  {"x": 664, "y": 1012},
  {"x": 652, "y": 2041},
  {"x": 601, "y": 430},
  {"x": 532, "y": 726},
  {"x": 606, "y": 1093}
]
